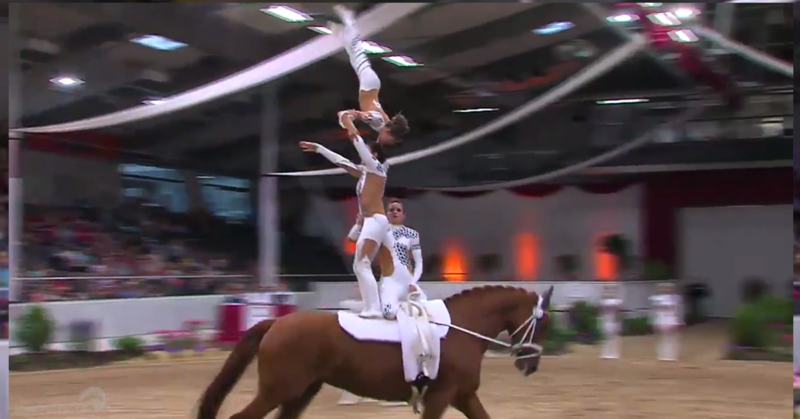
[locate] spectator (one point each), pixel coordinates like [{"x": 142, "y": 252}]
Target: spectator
[{"x": 95, "y": 247}]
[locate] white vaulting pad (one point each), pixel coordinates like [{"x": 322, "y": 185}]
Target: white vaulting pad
[{"x": 381, "y": 330}]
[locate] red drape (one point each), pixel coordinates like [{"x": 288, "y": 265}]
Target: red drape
[
  {"x": 666, "y": 193},
  {"x": 536, "y": 191},
  {"x": 528, "y": 191}
]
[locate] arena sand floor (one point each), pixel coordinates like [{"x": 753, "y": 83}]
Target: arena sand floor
[{"x": 578, "y": 385}]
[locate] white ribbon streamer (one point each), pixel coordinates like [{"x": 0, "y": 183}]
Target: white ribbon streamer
[
  {"x": 752, "y": 54},
  {"x": 321, "y": 47},
  {"x": 597, "y": 69},
  {"x": 623, "y": 149}
]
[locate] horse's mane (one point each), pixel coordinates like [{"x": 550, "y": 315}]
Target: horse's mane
[{"x": 484, "y": 290}]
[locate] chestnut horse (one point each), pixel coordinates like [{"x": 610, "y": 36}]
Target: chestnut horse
[{"x": 299, "y": 352}]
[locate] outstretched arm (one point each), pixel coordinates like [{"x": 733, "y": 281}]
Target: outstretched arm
[{"x": 332, "y": 157}]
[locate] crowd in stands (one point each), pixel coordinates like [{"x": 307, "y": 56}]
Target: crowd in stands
[{"x": 92, "y": 253}]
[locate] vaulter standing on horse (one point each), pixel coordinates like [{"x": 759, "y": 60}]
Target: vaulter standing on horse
[
  {"x": 419, "y": 366},
  {"x": 373, "y": 170},
  {"x": 300, "y": 352}
]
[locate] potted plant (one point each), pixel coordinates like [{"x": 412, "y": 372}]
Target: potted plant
[
  {"x": 568, "y": 266},
  {"x": 655, "y": 270}
]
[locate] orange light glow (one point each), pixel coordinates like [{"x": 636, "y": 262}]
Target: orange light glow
[
  {"x": 349, "y": 247},
  {"x": 454, "y": 265},
  {"x": 527, "y": 252},
  {"x": 605, "y": 265},
  {"x": 351, "y": 214}
]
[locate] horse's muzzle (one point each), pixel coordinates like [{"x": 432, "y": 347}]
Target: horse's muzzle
[{"x": 527, "y": 366}]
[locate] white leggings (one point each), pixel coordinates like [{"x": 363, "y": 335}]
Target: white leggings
[
  {"x": 374, "y": 228},
  {"x": 393, "y": 289},
  {"x": 367, "y": 78}
]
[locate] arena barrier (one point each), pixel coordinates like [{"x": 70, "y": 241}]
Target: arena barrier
[
  {"x": 796, "y": 349},
  {"x": 634, "y": 294},
  {"x": 137, "y": 317},
  {"x": 235, "y": 318},
  {"x": 146, "y": 316}
]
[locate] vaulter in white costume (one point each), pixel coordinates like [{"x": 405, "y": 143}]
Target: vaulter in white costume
[
  {"x": 420, "y": 345},
  {"x": 421, "y": 348},
  {"x": 610, "y": 308},
  {"x": 371, "y": 112},
  {"x": 667, "y": 318},
  {"x": 373, "y": 228}
]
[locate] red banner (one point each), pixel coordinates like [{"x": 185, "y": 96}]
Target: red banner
[{"x": 82, "y": 144}]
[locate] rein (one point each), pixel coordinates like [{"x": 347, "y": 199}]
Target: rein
[{"x": 526, "y": 341}]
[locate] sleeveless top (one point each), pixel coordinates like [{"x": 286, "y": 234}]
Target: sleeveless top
[
  {"x": 383, "y": 169},
  {"x": 405, "y": 240}
]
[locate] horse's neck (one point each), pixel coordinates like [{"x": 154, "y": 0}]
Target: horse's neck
[{"x": 486, "y": 319}]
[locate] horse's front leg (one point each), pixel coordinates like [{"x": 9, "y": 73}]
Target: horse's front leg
[
  {"x": 471, "y": 407},
  {"x": 437, "y": 399}
]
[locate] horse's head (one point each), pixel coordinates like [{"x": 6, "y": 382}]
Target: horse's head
[{"x": 527, "y": 323}]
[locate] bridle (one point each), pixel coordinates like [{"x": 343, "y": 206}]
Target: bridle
[{"x": 525, "y": 341}]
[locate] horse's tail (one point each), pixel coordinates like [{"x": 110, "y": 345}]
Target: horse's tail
[{"x": 243, "y": 353}]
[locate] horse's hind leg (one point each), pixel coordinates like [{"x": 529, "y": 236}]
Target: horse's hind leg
[{"x": 294, "y": 408}]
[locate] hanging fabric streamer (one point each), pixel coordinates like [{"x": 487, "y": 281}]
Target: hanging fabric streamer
[{"x": 319, "y": 48}]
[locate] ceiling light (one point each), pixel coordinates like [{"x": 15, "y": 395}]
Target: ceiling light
[
  {"x": 665, "y": 19},
  {"x": 154, "y": 101},
  {"x": 650, "y": 4},
  {"x": 685, "y": 12},
  {"x": 374, "y": 48},
  {"x": 621, "y": 101},
  {"x": 402, "y": 61},
  {"x": 553, "y": 28},
  {"x": 683, "y": 35},
  {"x": 624, "y": 18},
  {"x": 287, "y": 14},
  {"x": 476, "y": 110},
  {"x": 66, "y": 81},
  {"x": 323, "y": 30},
  {"x": 158, "y": 42}
]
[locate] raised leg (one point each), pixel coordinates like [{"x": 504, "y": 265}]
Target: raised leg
[
  {"x": 368, "y": 80},
  {"x": 471, "y": 407},
  {"x": 294, "y": 408}
]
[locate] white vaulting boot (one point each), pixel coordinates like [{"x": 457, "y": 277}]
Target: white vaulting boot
[{"x": 368, "y": 287}]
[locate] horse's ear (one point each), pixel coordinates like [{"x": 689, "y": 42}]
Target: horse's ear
[{"x": 546, "y": 298}]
